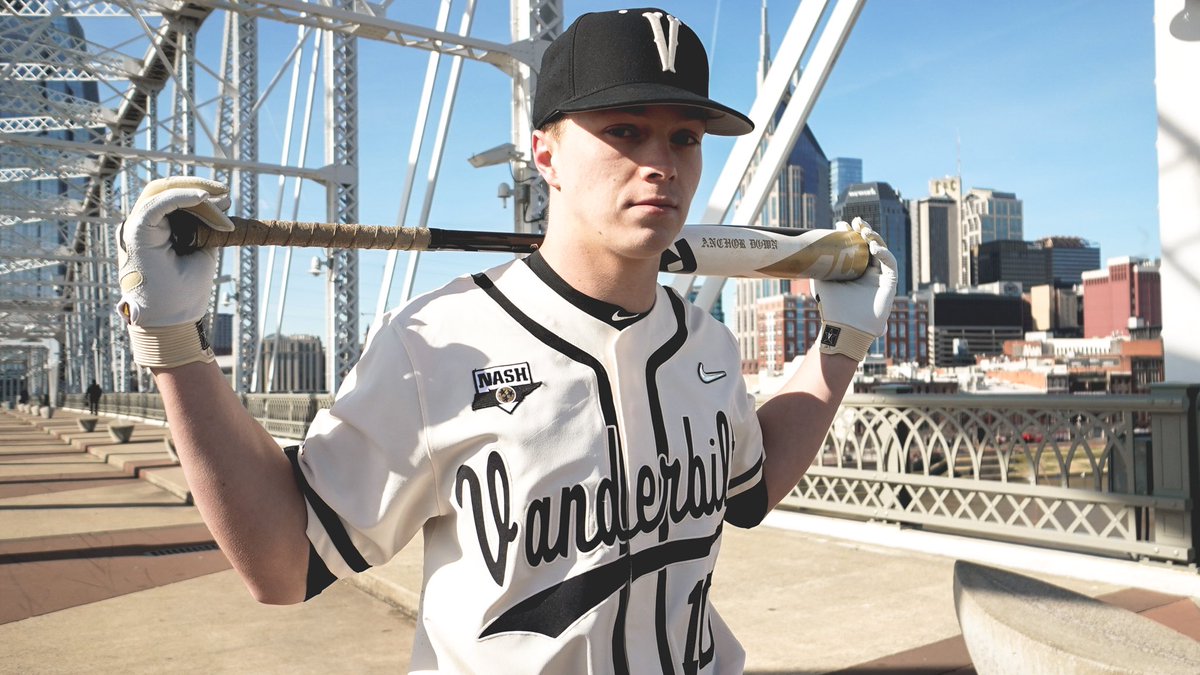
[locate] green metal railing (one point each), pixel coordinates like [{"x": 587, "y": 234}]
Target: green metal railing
[{"x": 1113, "y": 475}]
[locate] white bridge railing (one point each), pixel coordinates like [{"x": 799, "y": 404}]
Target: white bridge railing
[{"x": 1113, "y": 475}]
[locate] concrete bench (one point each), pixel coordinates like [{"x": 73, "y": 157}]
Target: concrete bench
[
  {"x": 86, "y": 423},
  {"x": 1015, "y": 624},
  {"x": 120, "y": 433}
]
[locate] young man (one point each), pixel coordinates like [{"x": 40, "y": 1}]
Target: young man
[{"x": 568, "y": 436}]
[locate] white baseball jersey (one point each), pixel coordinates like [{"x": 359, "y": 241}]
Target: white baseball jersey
[{"x": 570, "y": 464}]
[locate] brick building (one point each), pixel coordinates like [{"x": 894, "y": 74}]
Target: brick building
[
  {"x": 1127, "y": 294},
  {"x": 788, "y": 325}
]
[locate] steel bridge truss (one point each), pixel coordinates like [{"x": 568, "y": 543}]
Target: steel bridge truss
[{"x": 98, "y": 98}]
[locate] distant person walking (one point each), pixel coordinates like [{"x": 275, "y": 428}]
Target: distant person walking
[{"x": 94, "y": 392}]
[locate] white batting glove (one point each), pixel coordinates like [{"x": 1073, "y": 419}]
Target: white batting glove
[
  {"x": 854, "y": 313},
  {"x": 164, "y": 296}
]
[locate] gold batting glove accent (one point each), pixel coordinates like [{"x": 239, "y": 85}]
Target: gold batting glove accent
[{"x": 845, "y": 340}]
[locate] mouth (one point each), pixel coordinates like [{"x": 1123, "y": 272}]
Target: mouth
[{"x": 657, "y": 203}]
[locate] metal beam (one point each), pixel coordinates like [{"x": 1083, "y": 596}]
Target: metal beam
[
  {"x": 342, "y": 19},
  {"x": 341, "y": 149},
  {"x": 791, "y": 124},
  {"x": 245, "y": 329},
  {"x": 45, "y": 8},
  {"x": 117, "y": 152}
]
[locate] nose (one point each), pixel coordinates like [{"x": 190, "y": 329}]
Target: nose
[{"x": 658, "y": 161}]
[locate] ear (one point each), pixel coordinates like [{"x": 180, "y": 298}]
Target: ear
[{"x": 545, "y": 151}]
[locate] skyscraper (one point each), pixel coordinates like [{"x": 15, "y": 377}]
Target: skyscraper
[
  {"x": 843, "y": 172},
  {"x": 1048, "y": 260},
  {"x": 1009, "y": 260},
  {"x": 987, "y": 215},
  {"x": 881, "y": 206},
  {"x": 299, "y": 365},
  {"x": 934, "y": 240},
  {"x": 797, "y": 199},
  {"x": 1070, "y": 257}
]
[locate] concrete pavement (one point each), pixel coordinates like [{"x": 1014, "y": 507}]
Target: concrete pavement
[{"x": 105, "y": 566}]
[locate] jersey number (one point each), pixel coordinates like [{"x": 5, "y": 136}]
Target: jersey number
[{"x": 695, "y": 655}]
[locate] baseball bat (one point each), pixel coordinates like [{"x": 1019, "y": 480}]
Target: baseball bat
[{"x": 707, "y": 250}]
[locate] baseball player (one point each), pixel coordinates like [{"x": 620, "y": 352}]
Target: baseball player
[{"x": 568, "y": 436}]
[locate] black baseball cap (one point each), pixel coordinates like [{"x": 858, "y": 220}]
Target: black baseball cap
[{"x": 629, "y": 57}]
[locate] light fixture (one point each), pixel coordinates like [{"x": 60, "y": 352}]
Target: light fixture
[
  {"x": 317, "y": 265},
  {"x": 497, "y": 155}
]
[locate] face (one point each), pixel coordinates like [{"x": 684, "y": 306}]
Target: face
[{"x": 622, "y": 180}]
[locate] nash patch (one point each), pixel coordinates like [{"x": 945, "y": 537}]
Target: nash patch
[{"x": 502, "y": 387}]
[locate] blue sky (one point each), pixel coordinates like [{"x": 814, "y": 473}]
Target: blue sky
[{"x": 1051, "y": 100}]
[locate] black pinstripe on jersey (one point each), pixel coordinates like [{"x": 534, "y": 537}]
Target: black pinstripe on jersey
[{"x": 608, "y": 409}]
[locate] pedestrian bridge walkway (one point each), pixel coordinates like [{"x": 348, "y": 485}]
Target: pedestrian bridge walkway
[{"x": 106, "y": 565}]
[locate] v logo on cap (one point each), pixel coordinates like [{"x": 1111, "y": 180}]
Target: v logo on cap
[{"x": 666, "y": 49}]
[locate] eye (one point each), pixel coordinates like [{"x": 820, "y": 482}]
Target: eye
[
  {"x": 622, "y": 131},
  {"x": 685, "y": 137}
]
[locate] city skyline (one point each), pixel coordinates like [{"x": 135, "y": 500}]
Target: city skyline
[
  {"x": 886, "y": 51},
  {"x": 1024, "y": 97}
]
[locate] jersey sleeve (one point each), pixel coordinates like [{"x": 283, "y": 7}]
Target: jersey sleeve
[
  {"x": 365, "y": 467},
  {"x": 746, "y": 500}
]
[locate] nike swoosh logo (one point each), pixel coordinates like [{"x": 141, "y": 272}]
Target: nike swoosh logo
[
  {"x": 620, "y": 316},
  {"x": 707, "y": 377}
]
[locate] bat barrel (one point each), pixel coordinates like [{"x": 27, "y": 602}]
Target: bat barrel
[{"x": 779, "y": 253}]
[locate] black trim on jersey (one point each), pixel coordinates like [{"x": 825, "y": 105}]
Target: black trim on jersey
[
  {"x": 607, "y": 406},
  {"x": 608, "y": 410},
  {"x": 660, "y": 624},
  {"x": 607, "y": 312},
  {"x": 328, "y": 517},
  {"x": 746, "y": 475},
  {"x": 748, "y": 508},
  {"x": 620, "y": 654},
  {"x": 656, "y": 360},
  {"x": 319, "y": 577}
]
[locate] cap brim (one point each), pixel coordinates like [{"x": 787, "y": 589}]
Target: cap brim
[{"x": 722, "y": 120}]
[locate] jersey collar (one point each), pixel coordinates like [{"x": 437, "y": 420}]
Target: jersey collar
[{"x": 611, "y": 314}]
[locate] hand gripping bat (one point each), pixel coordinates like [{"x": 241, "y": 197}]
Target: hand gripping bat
[{"x": 707, "y": 250}]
